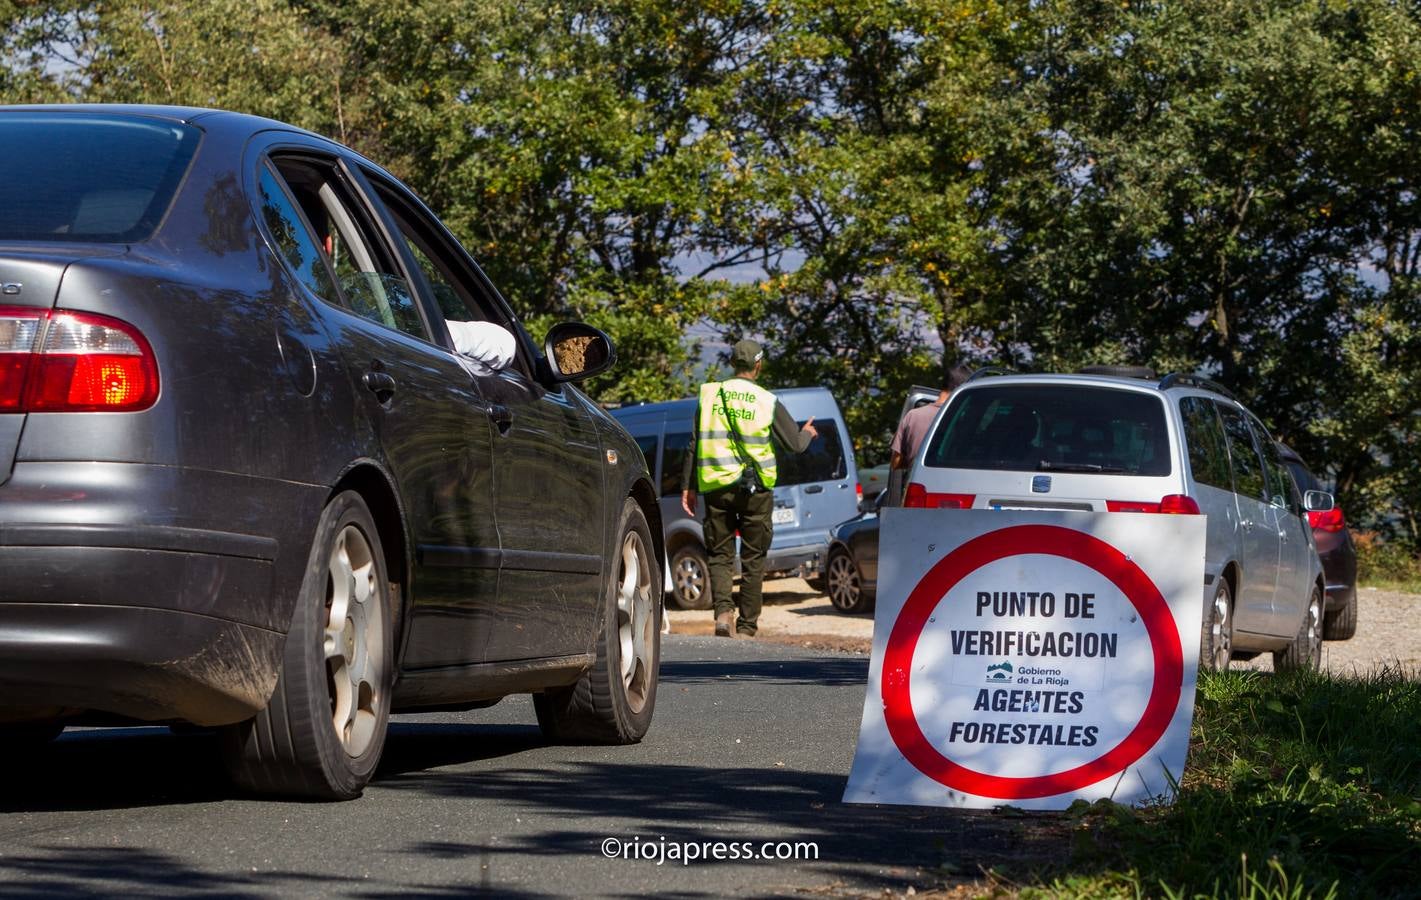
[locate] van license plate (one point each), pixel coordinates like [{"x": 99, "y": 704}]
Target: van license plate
[{"x": 783, "y": 516}]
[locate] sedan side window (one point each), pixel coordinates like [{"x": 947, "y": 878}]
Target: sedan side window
[
  {"x": 452, "y": 288},
  {"x": 294, "y": 239},
  {"x": 368, "y": 280},
  {"x": 1248, "y": 476},
  {"x": 1204, "y": 435}
]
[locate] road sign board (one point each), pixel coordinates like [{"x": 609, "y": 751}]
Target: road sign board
[{"x": 1030, "y": 658}]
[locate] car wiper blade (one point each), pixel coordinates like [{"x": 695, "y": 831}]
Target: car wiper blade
[{"x": 1048, "y": 466}]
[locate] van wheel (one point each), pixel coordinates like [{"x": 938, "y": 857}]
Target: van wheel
[
  {"x": 323, "y": 730},
  {"x": 1305, "y": 652},
  {"x": 1217, "y": 636},
  {"x": 690, "y": 577},
  {"x": 612, "y": 702},
  {"x": 1341, "y": 624}
]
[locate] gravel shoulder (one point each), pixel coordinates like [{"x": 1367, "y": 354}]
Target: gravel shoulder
[{"x": 1388, "y": 628}]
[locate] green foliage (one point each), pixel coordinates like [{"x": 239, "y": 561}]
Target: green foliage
[
  {"x": 1385, "y": 563},
  {"x": 878, "y": 189},
  {"x": 1302, "y": 785}
]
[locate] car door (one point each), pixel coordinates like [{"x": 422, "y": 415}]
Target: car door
[
  {"x": 1258, "y": 534},
  {"x": 547, "y": 471},
  {"x": 1206, "y": 448},
  {"x": 1290, "y": 595},
  {"x": 431, "y": 424}
]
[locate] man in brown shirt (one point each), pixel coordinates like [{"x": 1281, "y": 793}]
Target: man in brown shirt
[{"x": 914, "y": 425}]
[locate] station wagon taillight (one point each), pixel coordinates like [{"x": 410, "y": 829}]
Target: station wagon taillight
[
  {"x": 918, "y": 497},
  {"x": 63, "y": 361},
  {"x": 1330, "y": 520},
  {"x": 1171, "y": 504}
]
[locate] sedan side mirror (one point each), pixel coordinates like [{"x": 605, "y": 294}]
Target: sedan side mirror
[
  {"x": 1318, "y": 501},
  {"x": 576, "y": 351}
]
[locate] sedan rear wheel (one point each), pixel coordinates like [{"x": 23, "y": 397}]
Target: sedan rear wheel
[
  {"x": 612, "y": 702},
  {"x": 1217, "y": 637},
  {"x": 845, "y": 587},
  {"x": 1305, "y": 652},
  {"x": 323, "y": 731}
]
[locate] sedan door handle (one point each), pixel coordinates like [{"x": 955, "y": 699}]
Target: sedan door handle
[
  {"x": 814, "y": 489},
  {"x": 501, "y": 416},
  {"x": 381, "y": 384}
]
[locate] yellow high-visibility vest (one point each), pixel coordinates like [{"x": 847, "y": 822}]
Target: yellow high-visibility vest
[{"x": 723, "y": 450}]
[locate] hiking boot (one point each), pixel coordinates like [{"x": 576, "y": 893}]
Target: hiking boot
[{"x": 724, "y": 623}]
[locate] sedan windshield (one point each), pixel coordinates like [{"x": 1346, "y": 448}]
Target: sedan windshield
[
  {"x": 1053, "y": 428},
  {"x": 75, "y": 177}
]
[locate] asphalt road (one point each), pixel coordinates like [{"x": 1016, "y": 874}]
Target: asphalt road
[{"x": 752, "y": 742}]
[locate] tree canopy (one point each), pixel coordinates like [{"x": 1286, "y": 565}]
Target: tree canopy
[{"x": 879, "y": 189}]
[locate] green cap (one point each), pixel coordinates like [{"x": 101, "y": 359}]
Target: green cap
[{"x": 745, "y": 354}]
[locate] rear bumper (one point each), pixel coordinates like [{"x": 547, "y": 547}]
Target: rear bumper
[
  {"x": 806, "y": 558},
  {"x": 151, "y": 664},
  {"x": 144, "y": 591}
]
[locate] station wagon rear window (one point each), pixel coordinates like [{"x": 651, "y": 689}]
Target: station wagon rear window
[
  {"x": 1053, "y": 428},
  {"x": 76, "y": 177}
]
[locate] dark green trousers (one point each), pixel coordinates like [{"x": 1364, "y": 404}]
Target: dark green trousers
[{"x": 729, "y": 510}]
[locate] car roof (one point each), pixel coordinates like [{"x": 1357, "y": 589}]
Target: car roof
[
  {"x": 1166, "y": 384},
  {"x": 809, "y": 400},
  {"x": 186, "y": 114}
]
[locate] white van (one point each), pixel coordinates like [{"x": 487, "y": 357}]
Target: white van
[
  {"x": 1179, "y": 444},
  {"x": 816, "y": 489}
]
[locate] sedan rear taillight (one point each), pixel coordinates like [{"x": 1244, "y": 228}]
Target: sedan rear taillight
[
  {"x": 18, "y": 329},
  {"x": 918, "y": 497},
  {"x": 1329, "y": 520},
  {"x": 64, "y": 361},
  {"x": 1171, "y": 504}
]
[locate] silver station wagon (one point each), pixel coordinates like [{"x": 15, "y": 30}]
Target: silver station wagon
[{"x": 1176, "y": 445}]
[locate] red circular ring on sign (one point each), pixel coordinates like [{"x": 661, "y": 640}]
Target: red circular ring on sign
[{"x": 1046, "y": 540}]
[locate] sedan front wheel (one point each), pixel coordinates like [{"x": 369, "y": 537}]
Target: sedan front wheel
[{"x": 612, "y": 702}]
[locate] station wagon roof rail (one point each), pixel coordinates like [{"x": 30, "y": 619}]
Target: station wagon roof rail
[
  {"x": 989, "y": 370},
  {"x": 1179, "y": 379}
]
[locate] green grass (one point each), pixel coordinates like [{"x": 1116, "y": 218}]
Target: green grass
[
  {"x": 1411, "y": 585},
  {"x": 1298, "y": 786}
]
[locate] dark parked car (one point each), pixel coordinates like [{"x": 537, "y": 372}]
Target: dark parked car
[
  {"x": 1335, "y": 549},
  {"x": 247, "y": 482},
  {"x": 851, "y": 567}
]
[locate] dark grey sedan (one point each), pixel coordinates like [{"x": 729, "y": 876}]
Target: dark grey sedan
[
  {"x": 851, "y": 566},
  {"x": 249, "y": 477}
]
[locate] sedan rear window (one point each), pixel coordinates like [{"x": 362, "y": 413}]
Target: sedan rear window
[
  {"x": 76, "y": 177},
  {"x": 1053, "y": 428}
]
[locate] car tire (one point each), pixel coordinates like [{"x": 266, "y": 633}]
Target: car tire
[
  {"x": 845, "y": 584},
  {"x": 613, "y": 700},
  {"x": 1341, "y": 624},
  {"x": 1305, "y": 652},
  {"x": 690, "y": 577},
  {"x": 1216, "y": 636},
  {"x": 322, "y": 732}
]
